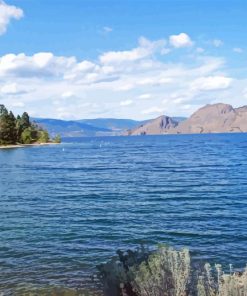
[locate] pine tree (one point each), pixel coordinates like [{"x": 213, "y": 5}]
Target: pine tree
[
  {"x": 7, "y": 127},
  {"x": 25, "y": 121}
]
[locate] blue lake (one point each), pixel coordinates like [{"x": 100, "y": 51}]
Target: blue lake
[{"x": 66, "y": 208}]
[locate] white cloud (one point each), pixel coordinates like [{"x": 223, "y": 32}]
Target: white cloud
[
  {"x": 9, "y": 88},
  {"x": 8, "y": 12},
  {"x": 180, "y": 40},
  {"x": 145, "y": 49},
  {"x": 211, "y": 83},
  {"x": 145, "y": 96},
  {"x": 154, "y": 81},
  {"x": 153, "y": 111},
  {"x": 12, "y": 89},
  {"x": 74, "y": 88},
  {"x": 126, "y": 103},
  {"x": 238, "y": 50},
  {"x": 40, "y": 64},
  {"x": 217, "y": 42}
]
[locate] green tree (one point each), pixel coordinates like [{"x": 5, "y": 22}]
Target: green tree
[
  {"x": 25, "y": 121},
  {"x": 26, "y": 136},
  {"x": 43, "y": 136},
  {"x": 19, "y": 129},
  {"x": 12, "y": 127},
  {"x": 3, "y": 110},
  {"x": 7, "y": 127}
]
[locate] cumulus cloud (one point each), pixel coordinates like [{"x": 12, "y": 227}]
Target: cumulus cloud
[
  {"x": 40, "y": 64},
  {"x": 211, "y": 83},
  {"x": 146, "y": 48},
  {"x": 180, "y": 40},
  {"x": 115, "y": 84},
  {"x": 7, "y": 13}
]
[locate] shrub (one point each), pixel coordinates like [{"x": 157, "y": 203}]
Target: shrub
[{"x": 167, "y": 272}]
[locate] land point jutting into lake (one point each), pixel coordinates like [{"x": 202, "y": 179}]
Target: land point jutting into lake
[{"x": 20, "y": 131}]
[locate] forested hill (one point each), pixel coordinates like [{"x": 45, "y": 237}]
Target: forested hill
[{"x": 20, "y": 130}]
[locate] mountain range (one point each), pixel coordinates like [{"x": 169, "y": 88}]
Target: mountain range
[
  {"x": 90, "y": 127},
  {"x": 216, "y": 118},
  {"x": 87, "y": 127}
]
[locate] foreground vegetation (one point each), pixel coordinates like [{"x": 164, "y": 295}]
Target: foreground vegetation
[
  {"x": 20, "y": 130},
  {"x": 167, "y": 272}
]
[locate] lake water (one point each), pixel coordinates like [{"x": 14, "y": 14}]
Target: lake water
[{"x": 66, "y": 208}]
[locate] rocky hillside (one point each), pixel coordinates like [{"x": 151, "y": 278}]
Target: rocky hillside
[
  {"x": 216, "y": 118},
  {"x": 158, "y": 126}
]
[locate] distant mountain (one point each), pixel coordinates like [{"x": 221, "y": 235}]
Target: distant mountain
[
  {"x": 92, "y": 127},
  {"x": 87, "y": 127},
  {"x": 69, "y": 128},
  {"x": 112, "y": 124},
  {"x": 216, "y": 118},
  {"x": 158, "y": 126}
]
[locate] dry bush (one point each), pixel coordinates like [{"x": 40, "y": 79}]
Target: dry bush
[{"x": 167, "y": 272}]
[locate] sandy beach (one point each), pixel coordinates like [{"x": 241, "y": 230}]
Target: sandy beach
[{"x": 26, "y": 145}]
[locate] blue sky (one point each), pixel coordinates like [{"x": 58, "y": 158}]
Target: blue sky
[{"x": 121, "y": 58}]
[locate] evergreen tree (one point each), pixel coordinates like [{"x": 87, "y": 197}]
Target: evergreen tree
[
  {"x": 7, "y": 127},
  {"x": 20, "y": 130},
  {"x": 12, "y": 128},
  {"x": 3, "y": 111},
  {"x": 25, "y": 121}
]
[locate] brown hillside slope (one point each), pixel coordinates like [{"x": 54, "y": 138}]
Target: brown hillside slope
[
  {"x": 217, "y": 118},
  {"x": 158, "y": 126}
]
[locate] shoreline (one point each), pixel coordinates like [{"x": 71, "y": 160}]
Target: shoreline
[{"x": 26, "y": 145}]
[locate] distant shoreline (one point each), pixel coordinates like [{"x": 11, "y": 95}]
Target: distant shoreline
[{"x": 26, "y": 145}]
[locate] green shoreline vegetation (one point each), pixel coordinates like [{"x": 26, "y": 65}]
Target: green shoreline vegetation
[{"x": 20, "y": 131}]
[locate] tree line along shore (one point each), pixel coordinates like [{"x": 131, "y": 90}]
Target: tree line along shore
[{"x": 21, "y": 131}]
